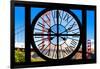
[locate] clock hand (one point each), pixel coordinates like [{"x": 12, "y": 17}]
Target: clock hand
[
  {"x": 69, "y": 29},
  {"x": 49, "y": 30},
  {"x": 63, "y": 38},
  {"x": 51, "y": 38}
]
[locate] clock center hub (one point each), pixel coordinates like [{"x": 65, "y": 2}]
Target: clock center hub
[{"x": 58, "y": 30}]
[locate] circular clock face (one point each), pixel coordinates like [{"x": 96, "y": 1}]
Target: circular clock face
[{"x": 56, "y": 34}]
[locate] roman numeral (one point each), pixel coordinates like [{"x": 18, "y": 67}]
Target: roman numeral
[
  {"x": 71, "y": 26},
  {"x": 64, "y": 52},
  {"x": 60, "y": 53},
  {"x": 41, "y": 47},
  {"x": 42, "y": 26},
  {"x": 68, "y": 21},
  {"x": 42, "y": 43},
  {"x": 61, "y": 16},
  {"x": 45, "y": 22},
  {"x": 54, "y": 52},
  {"x": 71, "y": 48},
  {"x": 66, "y": 17},
  {"x": 73, "y": 43},
  {"x": 73, "y": 30},
  {"x": 48, "y": 17},
  {"x": 48, "y": 52},
  {"x": 68, "y": 50},
  {"x": 54, "y": 15},
  {"x": 41, "y": 30},
  {"x": 41, "y": 39}
]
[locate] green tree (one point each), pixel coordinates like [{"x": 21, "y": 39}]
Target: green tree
[{"x": 19, "y": 56}]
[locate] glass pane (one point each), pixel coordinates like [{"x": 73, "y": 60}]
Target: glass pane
[
  {"x": 19, "y": 34},
  {"x": 90, "y": 35}
]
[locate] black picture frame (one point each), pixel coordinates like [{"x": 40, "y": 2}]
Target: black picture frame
[{"x": 28, "y": 35}]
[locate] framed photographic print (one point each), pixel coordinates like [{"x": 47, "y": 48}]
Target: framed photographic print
[{"x": 50, "y": 34}]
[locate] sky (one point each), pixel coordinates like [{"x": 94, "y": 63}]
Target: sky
[
  {"x": 90, "y": 24},
  {"x": 20, "y": 21},
  {"x": 19, "y": 24}
]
